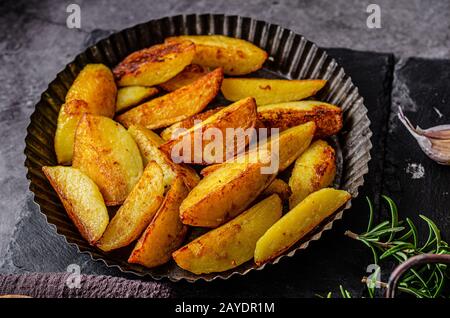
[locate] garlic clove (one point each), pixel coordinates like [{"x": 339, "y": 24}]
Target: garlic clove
[
  {"x": 434, "y": 141},
  {"x": 438, "y": 132}
]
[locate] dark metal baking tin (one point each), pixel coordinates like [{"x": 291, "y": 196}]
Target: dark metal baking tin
[{"x": 291, "y": 56}]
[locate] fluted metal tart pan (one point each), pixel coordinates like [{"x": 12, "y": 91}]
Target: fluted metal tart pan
[{"x": 291, "y": 56}]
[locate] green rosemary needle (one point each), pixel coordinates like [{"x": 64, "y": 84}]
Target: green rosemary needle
[{"x": 396, "y": 241}]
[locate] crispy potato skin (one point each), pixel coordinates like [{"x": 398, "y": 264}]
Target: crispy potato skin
[
  {"x": 295, "y": 224},
  {"x": 106, "y": 153},
  {"x": 313, "y": 170},
  {"x": 137, "y": 211},
  {"x": 130, "y": 96},
  {"x": 236, "y": 56},
  {"x": 233, "y": 243},
  {"x": 175, "y": 106},
  {"x": 154, "y": 65},
  {"x": 148, "y": 143},
  {"x": 327, "y": 117},
  {"x": 241, "y": 114},
  {"x": 95, "y": 85},
  {"x": 278, "y": 187},
  {"x": 165, "y": 233},
  {"x": 81, "y": 199},
  {"x": 269, "y": 91},
  {"x": 188, "y": 123},
  {"x": 190, "y": 74},
  {"x": 223, "y": 194},
  {"x": 68, "y": 118}
]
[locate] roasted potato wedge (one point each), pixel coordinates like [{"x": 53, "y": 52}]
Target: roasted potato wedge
[
  {"x": 169, "y": 132},
  {"x": 148, "y": 143},
  {"x": 95, "y": 85},
  {"x": 313, "y": 170},
  {"x": 190, "y": 74},
  {"x": 130, "y": 96},
  {"x": 107, "y": 154},
  {"x": 233, "y": 243},
  {"x": 278, "y": 187},
  {"x": 327, "y": 117},
  {"x": 137, "y": 211},
  {"x": 293, "y": 142},
  {"x": 92, "y": 92},
  {"x": 165, "y": 233},
  {"x": 288, "y": 145},
  {"x": 81, "y": 199},
  {"x": 154, "y": 65},
  {"x": 269, "y": 91},
  {"x": 224, "y": 193},
  {"x": 295, "y": 224},
  {"x": 241, "y": 114},
  {"x": 175, "y": 106},
  {"x": 68, "y": 118},
  {"x": 236, "y": 56}
]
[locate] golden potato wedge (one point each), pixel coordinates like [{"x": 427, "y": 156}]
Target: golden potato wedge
[
  {"x": 81, "y": 199},
  {"x": 165, "y": 233},
  {"x": 137, "y": 211},
  {"x": 327, "y": 117},
  {"x": 269, "y": 91},
  {"x": 293, "y": 142},
  {"x": 190, "y": 74},
  {"x": 92, "y": 92},
  {"x": 68, "y": 118},
  {"x": 233, "y": 243},
  {"x": 130, "y": 96},
  {"x": 288, "y": 145},
  {"x": 236, "y": 56},
  {"x": 175, "y": 106},
  {"x": 278, "y": 187},
  {"x": 107, "y": 154},
  {"x": 188, "y": 123},
  {"x": 95, "y": 85},
  {"x": 154, "y": 65},
  {"x": 295, "y": 224},
  {"x": 313, "y": 170},
  {"x": 224, "y": 193},
  {"x": 241, "y": 114},
  {"x": 148, "y": 143}
]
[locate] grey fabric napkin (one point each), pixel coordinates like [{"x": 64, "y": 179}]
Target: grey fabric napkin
[{"x": 58, "y": 285}]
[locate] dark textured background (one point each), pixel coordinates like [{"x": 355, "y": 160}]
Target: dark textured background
[{"x": 35, "y": 44}]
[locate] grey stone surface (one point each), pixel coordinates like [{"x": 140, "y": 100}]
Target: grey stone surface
[{"x": 35, "y": 44}]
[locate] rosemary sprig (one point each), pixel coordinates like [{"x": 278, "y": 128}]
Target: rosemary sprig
[{"x": 396, "y": 241}]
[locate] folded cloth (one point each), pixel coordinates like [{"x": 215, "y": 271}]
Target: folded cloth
[{"x": 65, "y": 285}]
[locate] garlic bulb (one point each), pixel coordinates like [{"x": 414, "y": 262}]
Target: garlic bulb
[{"x": 434, "y": 141}]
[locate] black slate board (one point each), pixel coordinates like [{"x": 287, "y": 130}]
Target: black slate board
[
  {"x": 327, "y": 263},
  {"x": 422, "y": 88}
]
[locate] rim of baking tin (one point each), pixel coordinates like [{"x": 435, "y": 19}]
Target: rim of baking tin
[{"x": 282, "y": 45}]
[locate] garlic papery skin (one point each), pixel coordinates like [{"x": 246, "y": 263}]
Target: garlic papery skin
[{"x": 434, "y": 141}]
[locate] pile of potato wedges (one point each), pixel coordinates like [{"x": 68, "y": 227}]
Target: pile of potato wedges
[{"x": 122, "y": 182}]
